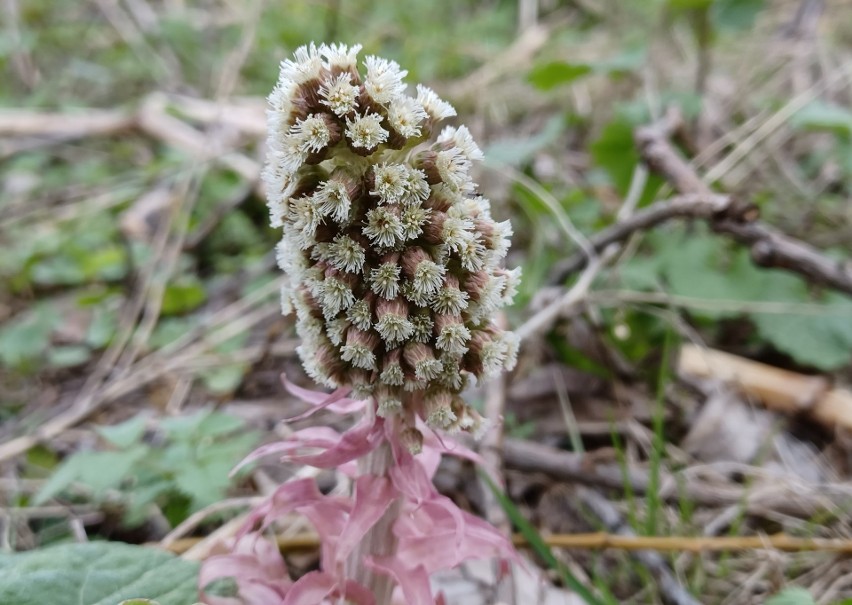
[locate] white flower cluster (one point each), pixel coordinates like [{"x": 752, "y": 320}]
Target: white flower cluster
[{"x": 394, "y": 264}]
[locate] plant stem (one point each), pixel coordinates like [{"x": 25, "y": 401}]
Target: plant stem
[{"x": 380, "y": 540}]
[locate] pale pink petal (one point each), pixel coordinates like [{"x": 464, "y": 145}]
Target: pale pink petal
[
  {"x": 338, "y": 449},
  {"x": 255, "y": 586},
  {"x": 447, "y": 445},
  {"x": 336, "y": 402},
  {"x": 410, "y": 477},
  {"x": 353, "y": 444},
  {"x": 265, "y": 552},
  {"x": 373, "y": 496},
  {"x": 315, "y": 587},
  {"x": 438, "y": 549},
  {"x": 263, "y": 451},
  {"x": 286, "y": 498},
  {"x": 414, "y": 581},
  {"x": 311, "y": 589}
]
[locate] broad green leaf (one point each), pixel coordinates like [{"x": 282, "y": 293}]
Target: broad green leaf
[
  {"x": 823, "y": 341},
  {"x": 548, "y": 76},
  {"x": 126, "y": 433},
  {"x": 96, "y": 573},
  {"x": 792, "y": 596},
  {"x": 105, "y": 470}
]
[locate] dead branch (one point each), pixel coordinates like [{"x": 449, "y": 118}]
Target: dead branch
[
  {"x": 780, "y": 390},
  {"x": 724, "y": 214},
  {"x": 758, "y": 499}
]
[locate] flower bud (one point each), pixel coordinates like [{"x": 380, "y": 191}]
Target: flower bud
[{"x": 393, "y": 263}]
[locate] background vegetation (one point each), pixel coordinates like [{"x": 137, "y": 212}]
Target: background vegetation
[{"x": 141, "y": 339}]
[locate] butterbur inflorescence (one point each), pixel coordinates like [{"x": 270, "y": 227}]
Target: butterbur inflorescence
[
  {"x": 394, "y": 268},
  {"x": 394, "y": 264}
]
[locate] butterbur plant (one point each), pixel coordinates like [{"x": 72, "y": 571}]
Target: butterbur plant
[{"x": 394, "y": 270}]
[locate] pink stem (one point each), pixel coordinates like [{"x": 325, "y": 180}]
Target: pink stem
[{"x": 380, "y": 540}]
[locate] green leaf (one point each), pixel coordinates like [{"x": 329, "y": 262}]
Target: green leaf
[
  {"x": 824, "y": 116},
  {"x": 548, "y": 76},
  {"x": 183, "y": 296},
  {"x": 68, "y": 356},
  {"x": 736, "y": 15},
  {"x": 96, "y": 573},
  {"x": 224, "y": 380},
  {"x": 217, "y": 424},
  {"x": 65, "y": 474},
  {"x": 124, "y": 434},
  {"x": 615, "y": 152},
  {"x": 791, "y": 596},
  {"x": 689, "y": 4},
  {"x": 518, "y": 151},
  {"x": 538, "y": 544},
  {"x": 99, "y": 471},
  {"x": 102, "y": 328},
  {"x": 822, "y": 341},
  {"x": 24, "y": 339}
]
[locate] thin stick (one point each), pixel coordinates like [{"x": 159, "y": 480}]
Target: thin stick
[{"x": 604, "y": 540}]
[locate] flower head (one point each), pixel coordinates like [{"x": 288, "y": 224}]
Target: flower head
[{"x": 394, "y": 264}]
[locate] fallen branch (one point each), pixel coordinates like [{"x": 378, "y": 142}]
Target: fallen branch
[
  {"x": 796, "y": 500},
  {"x": 780, "y": 390},
  {"x": 769, "y": 247},
  {"x": 725, "y": 215}
]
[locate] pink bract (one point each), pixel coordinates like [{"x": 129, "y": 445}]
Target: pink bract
[{"x": 433, "y": 533}]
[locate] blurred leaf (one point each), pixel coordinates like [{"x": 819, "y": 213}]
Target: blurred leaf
[
  {"x": 689, "y": 4},
  {"x": 68, "y": 356},
  {"x": 99, "y": 471},
  {"x": 518, "y": 151},
  {"x": 96, "y": 573},
  {"x": 223, "y": 380},
  {"x": 792, "y": 596},
  {"x": 65, "y": 474},
  {"x": 736, "y": 15},
  {"x": 824, "y": 116},
  {"x": 102, "y": 327},
  {"x": 126, "y": 433},
  {"x": 170, "y": 329},
  {"x": 218, "y": 424},
  {"x": 821, "y": 341},
  {"x": 26, "y": 337},
  {"x": 548, "y": 76},
  {"x": 183, "y": 295},
  {"x": 183, "y": 428},
  {"x": 615, "y": 151}
]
